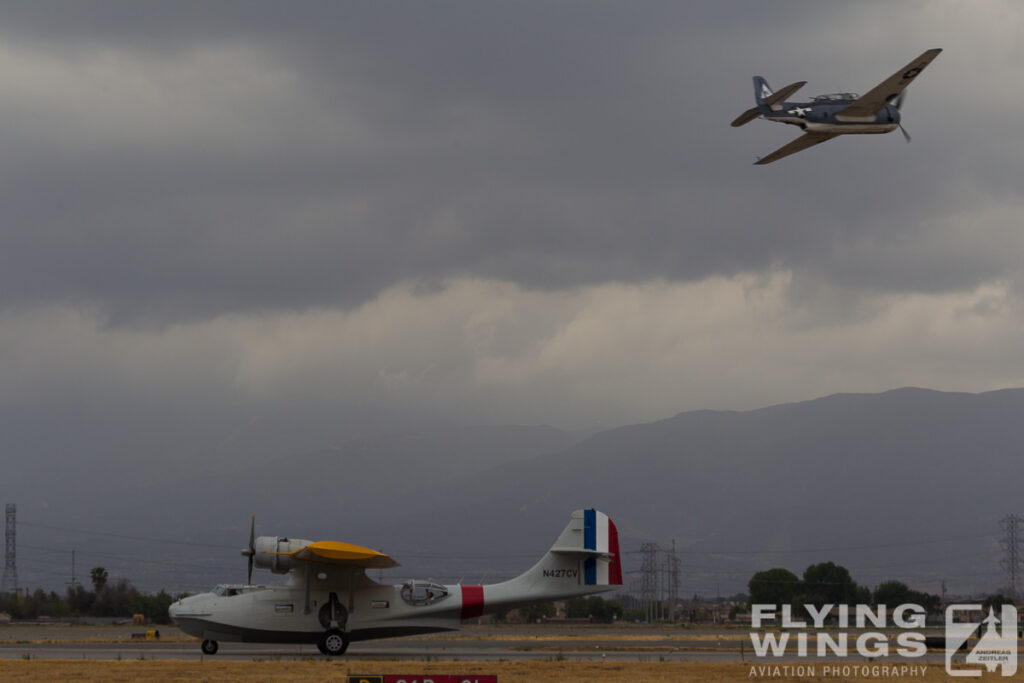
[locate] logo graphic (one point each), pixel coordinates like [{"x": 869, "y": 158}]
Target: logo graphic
[{"x": 996, "y": 644}]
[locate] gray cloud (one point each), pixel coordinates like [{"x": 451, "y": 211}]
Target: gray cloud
[
  {"x": 239, "y": 230},
  {"x": 180, "y": 179},
  {"x": 179, "y": 162}
]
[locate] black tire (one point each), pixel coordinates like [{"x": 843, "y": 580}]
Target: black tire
[
  {"x": 209, "y": 647},
  {"x": 333, "y": 642},
  {"x": 320, "y": 646}
]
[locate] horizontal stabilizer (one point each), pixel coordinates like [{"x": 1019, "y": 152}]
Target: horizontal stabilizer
[
  {"x": 746, "y": 117},
  {"x": 776, "y": 99}
]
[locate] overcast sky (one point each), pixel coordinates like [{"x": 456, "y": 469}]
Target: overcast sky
[{"x": 520, "y": 212}]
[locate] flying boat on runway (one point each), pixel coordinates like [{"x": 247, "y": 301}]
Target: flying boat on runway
[
  {"x": 329, "y": 600},
  {"x": 827, "y": 116}
]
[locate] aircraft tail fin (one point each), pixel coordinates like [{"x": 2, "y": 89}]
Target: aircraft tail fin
[
  {"x": 762, "y": 91},
  {"x": 585, "y": 559}
]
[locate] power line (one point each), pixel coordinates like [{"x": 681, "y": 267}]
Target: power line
[
  {"x": 128, "y": 537},
  {"x": 821, "y": 549}
]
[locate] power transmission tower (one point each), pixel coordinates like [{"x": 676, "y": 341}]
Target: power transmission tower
[
  {"x": 1011, "y": 545},
  {"x": 10, "y": 550},
  {"x": 672, "y": 580},
  {"x": 649, "y": 578}
]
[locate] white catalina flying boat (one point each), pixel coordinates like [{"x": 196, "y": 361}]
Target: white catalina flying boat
[{"x": 329, "y": 600}]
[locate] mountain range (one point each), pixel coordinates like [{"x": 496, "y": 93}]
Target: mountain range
[{"x": 909, "y": 484}]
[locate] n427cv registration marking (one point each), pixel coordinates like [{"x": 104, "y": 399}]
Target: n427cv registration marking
[{"x": 562, "y": 573}]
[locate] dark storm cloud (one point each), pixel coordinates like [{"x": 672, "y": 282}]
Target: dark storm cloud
[
  {"x": 237, "y": 230},
  {"x": 184, "y": 160}
]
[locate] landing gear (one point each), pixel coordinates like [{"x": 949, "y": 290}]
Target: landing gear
[
  {"x": 333, "y": 643},
  {"x": 209, "y": 647}
]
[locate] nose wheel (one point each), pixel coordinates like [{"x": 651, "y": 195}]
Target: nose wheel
[
  {"x": 209, "y": 647},
  {"x": 333, "y": 643}
]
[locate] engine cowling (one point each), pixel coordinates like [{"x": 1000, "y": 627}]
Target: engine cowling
[{"x": 272, "y": 553}]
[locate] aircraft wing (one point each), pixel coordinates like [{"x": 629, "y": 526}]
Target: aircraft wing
[
  {"x": 865, "y": 107},
  {"x": 332, "y": 552},
  {"x": 801, "y": 143}
]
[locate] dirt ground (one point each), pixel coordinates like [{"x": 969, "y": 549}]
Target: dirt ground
[{"x": 508, "y": 672}]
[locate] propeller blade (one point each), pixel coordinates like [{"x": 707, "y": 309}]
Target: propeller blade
[
  {"x": 250, "y": 552},
  {"x": 899, "y": 99},
  {"x": 906, "y": 135}
]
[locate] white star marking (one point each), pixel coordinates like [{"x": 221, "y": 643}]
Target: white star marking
[{"x": 799, "y": 111}]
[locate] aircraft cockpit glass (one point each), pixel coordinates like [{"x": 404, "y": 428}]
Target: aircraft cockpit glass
[
  {"x": 836, "y": 97},
  {"x": 227, "y": 591},
  {"x": 423, "y": 592}
]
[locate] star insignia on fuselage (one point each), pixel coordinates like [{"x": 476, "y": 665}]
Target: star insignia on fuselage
[{"x": 799, "y": 111}]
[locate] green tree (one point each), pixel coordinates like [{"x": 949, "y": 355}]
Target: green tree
[
  {"x": 996, "y": 601},
  {"x": 594, "y": 607},
  {"x": 829, "y": 583},
  {"x": 99, "y": 579},
  {"x": 537, "y": 611},
  {"x": 773, "y": 587},
  {"x": 892, "y": 593}
]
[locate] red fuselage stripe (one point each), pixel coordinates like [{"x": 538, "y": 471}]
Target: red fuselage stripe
[
  {"x": 614, "y": 567},
  {"x": 472, "y": 601}
]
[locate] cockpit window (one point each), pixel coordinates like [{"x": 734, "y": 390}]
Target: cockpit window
[
  {"x": 423, "y": 592},
  {"x": 226, "y": 591},
  {"x": 836, "y": 97}
]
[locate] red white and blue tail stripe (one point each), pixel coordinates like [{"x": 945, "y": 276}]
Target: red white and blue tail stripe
[{"x": 601, "y": 536}]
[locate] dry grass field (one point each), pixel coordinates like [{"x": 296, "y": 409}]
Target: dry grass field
[{"x": 508, "y": 672}]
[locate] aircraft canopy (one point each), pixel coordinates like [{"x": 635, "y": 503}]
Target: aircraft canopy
[{"x": 836, "y": 97}]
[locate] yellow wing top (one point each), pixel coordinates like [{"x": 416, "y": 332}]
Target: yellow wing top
[{"x": 347, "y": 554}]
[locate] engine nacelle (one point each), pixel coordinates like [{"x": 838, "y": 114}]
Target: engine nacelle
[{"x": 272, "y": 553}]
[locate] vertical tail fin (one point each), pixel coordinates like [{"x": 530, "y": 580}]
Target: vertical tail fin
[
  {"x": 762, "y": 91},
  {"x": 584, "y": 560},
  {"x": 601, "y": 536}
]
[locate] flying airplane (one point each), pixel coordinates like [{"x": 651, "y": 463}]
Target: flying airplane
[
  {"x": 827, "y": 116},
  {"x": 329, "y": 600}
]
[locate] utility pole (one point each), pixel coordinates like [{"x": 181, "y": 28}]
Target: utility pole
[
  {"x": 10, "y": 550},
  {"x": 1011, "y": 545},
  {"x": 74, "y": 580}
]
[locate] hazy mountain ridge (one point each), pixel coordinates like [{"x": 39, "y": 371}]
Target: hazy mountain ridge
[
  {"x": 845, "y": 471},
  {"x": 904, "y": 484}
]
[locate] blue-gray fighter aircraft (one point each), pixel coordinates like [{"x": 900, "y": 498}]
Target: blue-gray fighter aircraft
[{"x": 827, "y": 116}]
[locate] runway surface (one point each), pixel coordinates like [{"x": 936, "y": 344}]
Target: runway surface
[{"x": 472, "y": 643}]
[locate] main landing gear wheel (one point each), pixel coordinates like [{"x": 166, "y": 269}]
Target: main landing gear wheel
[
  {"x": 209, "y": 647},
  {"x": 333, "y": 643}
]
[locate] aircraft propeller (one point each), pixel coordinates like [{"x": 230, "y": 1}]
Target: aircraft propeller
[
  {"x": 250, "y": 552},
  {"x": 898, "y": 103}
]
